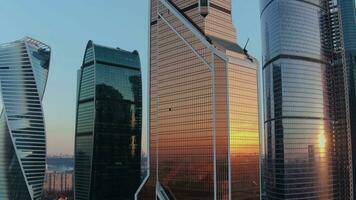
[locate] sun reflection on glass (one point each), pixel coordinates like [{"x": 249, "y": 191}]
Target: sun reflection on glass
[{"x": 322, "y": 140}]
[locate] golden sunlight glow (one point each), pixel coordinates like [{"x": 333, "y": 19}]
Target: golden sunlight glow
[
  {"x": 244, "y": 142},
  {"x": 322, "y": 142},
  {"x": 323, "y": 162}
]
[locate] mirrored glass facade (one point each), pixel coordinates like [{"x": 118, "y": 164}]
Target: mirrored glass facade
[
  {"x": 306, "y": 105},
  {"x": 347, "y": 22},
  {"x": 339, "y": 92},
  {"x": 24, "y": 66},
  {"x": 203, "y": 118},
  {"x": 108, "y": 128}
]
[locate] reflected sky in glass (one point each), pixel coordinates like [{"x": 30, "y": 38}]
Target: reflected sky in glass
[{"x": 116, "y": 23}]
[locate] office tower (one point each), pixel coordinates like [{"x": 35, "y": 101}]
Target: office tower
[
  {"x": 338, "y": 31},
  {"x": 203, "y": 119},
  {"x": 24, "y": 66},
  {"x": 308, "y": 60},
  {"x": 347, "y": 24},
  {"x": 108, "y": 128}
]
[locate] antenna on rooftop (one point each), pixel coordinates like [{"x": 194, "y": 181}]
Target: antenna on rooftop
[
  {"x": 248, "y": 40},
  {"x": 246, "y": 52}
]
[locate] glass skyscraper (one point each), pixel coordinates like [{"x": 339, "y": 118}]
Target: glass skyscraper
[
  {"x": 24, "y": 66},
  {"x": 108, "y": 128},
  {"x": 347, "y": 14},
  {"x": 297, "y": 124},
  {"x": 307, "y": 67},
  {"x": 203, "y": 106}
]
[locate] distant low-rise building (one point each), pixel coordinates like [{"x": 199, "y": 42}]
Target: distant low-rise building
[
  {"x": 62, "y": 197},
  {"x": 59, "y": 181}
]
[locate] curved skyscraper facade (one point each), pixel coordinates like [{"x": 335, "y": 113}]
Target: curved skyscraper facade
[
  {"x": 24, "y": 66},
  {"x": 297, "y": 118},
  {"x": 108, "y": 126},
  {"x": 308, "y": 69},
  {"x": 203, "y": 109}
]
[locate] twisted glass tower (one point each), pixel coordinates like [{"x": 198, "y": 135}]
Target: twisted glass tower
[
  {"x": 203, "y": 108},
  {"x": 108, "y": 127},
  {"x": 24, "y": 66}
]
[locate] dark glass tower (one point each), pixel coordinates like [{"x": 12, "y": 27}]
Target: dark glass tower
[
  {"x": 347, "y": 14},
  {"x": 108, "y": 128},
  {"x": 24, "y": 66}
]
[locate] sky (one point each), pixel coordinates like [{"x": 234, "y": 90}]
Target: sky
[{"x": 67, "y": 26}]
